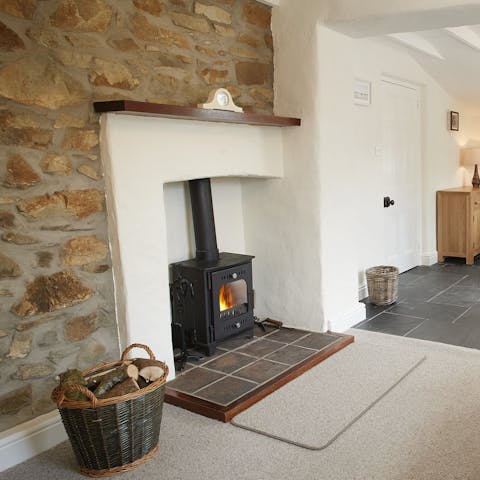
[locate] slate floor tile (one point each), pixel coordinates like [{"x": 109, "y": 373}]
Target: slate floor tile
[
  {"x": 414, "y": 275},
  {"x": 260, "y": 348},
  {"x": 226, "y": 391},
  {"x": 318, "y": 341},
  {"x": 372, "y": 310},
  {"x": 439, "y": 280},
  {"x": 461, "y": 296},
  {"x": 291, "y": 354},
  {"x": 472, "y": 280},
  {"x": 416, "y": 294},
  {"x": 194, "y": 379},
  {"x": 261, "y": 371},
  {"x": 470, "y": 322},
  {"x": 432, "y": 311},
  {"x": 444, "y": 332},
  {"x": 391, "y": 323},
  {"x": 229, "y": 362},
  {"x": 472, "y": 313},
  {"x": 287, "y": 335}
]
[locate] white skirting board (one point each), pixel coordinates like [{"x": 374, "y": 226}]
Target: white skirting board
[
  {"x": 429, "y": 258},
  {"x": 362, "y": 291},
  {"x": 30, "y": 438},
  {"x": 343, "y": 322}
]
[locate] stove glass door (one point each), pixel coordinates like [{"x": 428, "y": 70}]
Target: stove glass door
[{"x": 233, "y": 299}]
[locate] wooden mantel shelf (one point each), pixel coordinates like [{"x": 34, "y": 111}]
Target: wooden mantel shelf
[{"x": 130, "y": 107}]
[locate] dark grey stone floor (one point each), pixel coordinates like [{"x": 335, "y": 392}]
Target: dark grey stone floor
[{"x": 440, "y": 303}]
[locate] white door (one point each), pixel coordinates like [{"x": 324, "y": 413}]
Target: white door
[{"x": 401, "y": 174}]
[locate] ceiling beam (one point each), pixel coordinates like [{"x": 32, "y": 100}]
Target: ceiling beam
[
  {"x": 271, "y": 3},
  {"x": 374, "y": 18},
  {"x": 417, "y": 42},
  {"x": 466, "y": 35}
]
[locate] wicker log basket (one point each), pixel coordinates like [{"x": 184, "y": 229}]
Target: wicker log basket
[
  {"x": 113, "y": 435},
  {"x": 382, "y": 284}
]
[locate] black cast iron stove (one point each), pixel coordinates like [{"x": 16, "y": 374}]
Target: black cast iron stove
[{"x": 211, "y": 294}]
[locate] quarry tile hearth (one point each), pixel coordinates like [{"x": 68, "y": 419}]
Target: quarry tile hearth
[{"x": 247, "y": 367}]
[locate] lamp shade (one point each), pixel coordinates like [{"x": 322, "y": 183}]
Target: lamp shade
[{"x": 470, "y": 156}]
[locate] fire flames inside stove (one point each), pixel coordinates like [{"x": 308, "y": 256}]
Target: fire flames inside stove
[{"x": 233, "y": 299}]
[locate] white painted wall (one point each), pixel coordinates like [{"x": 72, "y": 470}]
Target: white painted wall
[
  {"x": 228, "y": 211},
  {"x": 334, "y": 156},
  {"x": 140, "y": 155},
  {"x": 469, "y": 136},
  {"x": 282, "y": 219},
  {"x": 351, "y": 134}
]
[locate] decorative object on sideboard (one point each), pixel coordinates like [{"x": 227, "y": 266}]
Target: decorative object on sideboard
[
  {"x": 454, "y": 121},
  {"x": 220, "y": 99},
  {"x": 471, "y": 157}
]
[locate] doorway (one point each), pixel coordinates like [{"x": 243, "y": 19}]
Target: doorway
[{"x": 401, "y": 173}]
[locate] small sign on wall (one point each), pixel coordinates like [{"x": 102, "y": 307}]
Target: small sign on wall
[{"x": 362, "y": 92}]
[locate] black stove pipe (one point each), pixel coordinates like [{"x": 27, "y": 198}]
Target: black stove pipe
[{"x": 203, "y": 219}]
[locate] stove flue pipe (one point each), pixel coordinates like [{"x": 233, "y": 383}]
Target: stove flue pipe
[{"x": 203, "y": 219}]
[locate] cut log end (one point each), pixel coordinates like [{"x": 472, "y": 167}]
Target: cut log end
[
  {"x": 120, "y": 389},
  {"x": 132, "y": 371},
  {"x": 152, "y": 369},
  {"x": 112, "y": 378},
  {"x": 152, "y": 373}
]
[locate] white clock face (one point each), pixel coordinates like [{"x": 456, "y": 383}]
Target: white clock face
[{"x": 222, "y": 99}]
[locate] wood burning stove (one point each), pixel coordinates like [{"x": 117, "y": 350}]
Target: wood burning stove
[{"x": 211, "y": 294}]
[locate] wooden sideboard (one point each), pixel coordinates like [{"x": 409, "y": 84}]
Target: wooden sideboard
[{"x": 458, "y": 223}]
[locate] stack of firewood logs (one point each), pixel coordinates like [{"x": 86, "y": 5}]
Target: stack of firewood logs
[{"x": 128, "y": 377}]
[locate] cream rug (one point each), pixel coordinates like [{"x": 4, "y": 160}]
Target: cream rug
[{"x": 316, "y": 408}]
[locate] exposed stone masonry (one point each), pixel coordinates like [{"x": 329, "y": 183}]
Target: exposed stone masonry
[{"x": 56, "y": 58}]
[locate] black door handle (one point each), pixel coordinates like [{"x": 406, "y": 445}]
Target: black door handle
[{"x": 387, "y": 202}]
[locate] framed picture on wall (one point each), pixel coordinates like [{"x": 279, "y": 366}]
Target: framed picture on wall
[{"x": 454, "y": 121}]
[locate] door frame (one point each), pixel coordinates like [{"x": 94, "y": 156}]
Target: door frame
[{"x": 419, "y": 149}]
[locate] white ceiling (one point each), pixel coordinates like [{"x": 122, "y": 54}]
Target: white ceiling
[
  {"x": 442, "y": 35},
  {"x": 451, "y": 55}
]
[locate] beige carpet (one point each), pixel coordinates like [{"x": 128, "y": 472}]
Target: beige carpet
[
  {"x": 427, "y": 428},
  {"x": 316, "y": 408}
]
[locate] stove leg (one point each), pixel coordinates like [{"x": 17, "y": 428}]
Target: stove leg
[{"x": 211, "y": 349}]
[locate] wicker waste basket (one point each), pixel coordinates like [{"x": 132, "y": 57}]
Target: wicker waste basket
[
  {"x": 382, "y": 283},
  {"x": 113, "y": 435}
]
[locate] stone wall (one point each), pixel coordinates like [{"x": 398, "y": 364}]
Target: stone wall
[{"x": 57, "y": 56}]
